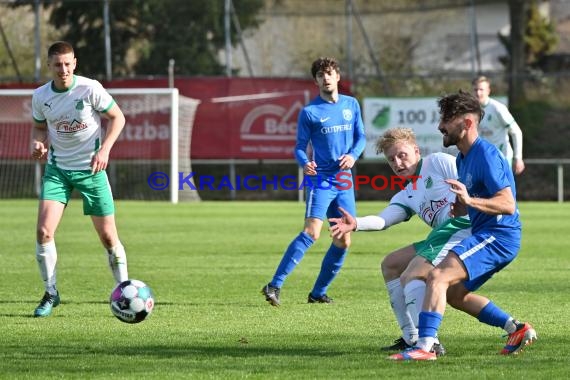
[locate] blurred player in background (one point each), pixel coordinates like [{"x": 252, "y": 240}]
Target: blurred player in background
[
  {"x": 67, "y": 114},
  {"x": 486, "y": 191},
  {"x": 427, "y": 196},
  {"x": 498, "y": 124},
  {"x": 332, "y": 124}
]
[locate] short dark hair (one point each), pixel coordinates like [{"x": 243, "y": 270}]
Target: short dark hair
[
  {"x": 459, "y": 104},
  {"x": 60, "y": 47},
  {"x": 324, "y": 64}
]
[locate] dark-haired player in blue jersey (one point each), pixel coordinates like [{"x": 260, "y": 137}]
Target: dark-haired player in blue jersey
[
  {"x": 486, "y": 190},
  {"x": 332, "y": 124}
]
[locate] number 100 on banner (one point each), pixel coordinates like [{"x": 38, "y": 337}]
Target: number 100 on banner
[{"x": 419, "y": 114}]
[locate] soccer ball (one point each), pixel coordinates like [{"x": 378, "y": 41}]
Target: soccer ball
[{"x": 132, "y": 301}]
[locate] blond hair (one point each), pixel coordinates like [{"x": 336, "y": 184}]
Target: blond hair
[
  {"x": 480, "y": 79},
  {"x": 393, "y": 136}
]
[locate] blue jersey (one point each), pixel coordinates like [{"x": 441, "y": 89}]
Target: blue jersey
[
  {"x": 485, "y": 171},
  {"x": 334, "y": 129}
]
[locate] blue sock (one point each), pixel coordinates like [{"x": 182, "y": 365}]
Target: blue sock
[
  {"x": 332, "y": 262},
  {"x": 492, "y": 315},
  {"x": 428, "y": 324},
  {"x": 292, "y": 256}
]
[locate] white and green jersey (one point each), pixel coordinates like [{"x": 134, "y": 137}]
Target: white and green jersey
[
  {"x": 73, "y": 120},
  {"x": 494, "y": 127},
  {"x": 430, "y": 196}
]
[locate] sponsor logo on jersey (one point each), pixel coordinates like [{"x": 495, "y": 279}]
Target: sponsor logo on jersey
[
  {"x": 66, "y": 128},
  {"x": 431, "y": 211}
]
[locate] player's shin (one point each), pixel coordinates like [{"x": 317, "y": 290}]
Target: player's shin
[
  {"x": 397, "y": 301},
  {"x": 414, "y": 292},
  {"x": 331, "y": 265},
  {"x": 428, "y": 325},
  {"x": 291, "y": 258},
  {"x": 46, "y": 256}
]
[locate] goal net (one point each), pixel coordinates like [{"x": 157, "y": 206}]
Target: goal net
[{"x": 145, "y": 162}]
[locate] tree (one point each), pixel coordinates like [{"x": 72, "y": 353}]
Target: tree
[
  {"x": 146, "y": 34},
  {"x": 532, "y": 36},
  {"x": 540, "y": 38}
]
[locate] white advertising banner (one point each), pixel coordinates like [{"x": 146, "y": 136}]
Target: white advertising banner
[{"x": 419, "y": 114}]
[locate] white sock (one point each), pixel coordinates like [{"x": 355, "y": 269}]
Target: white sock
[
  {"x": 397, "y": 301},
  {"x": 511, "y": 326},
  {"x": 414, "y": 294},
  {"x": 118, "y": 262},
  {"x": 46, "y": 255},
  {"x": 426, "y": 343}
]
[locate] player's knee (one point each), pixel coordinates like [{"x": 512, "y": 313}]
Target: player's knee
[
  {"x": 389, "y": 268},
  {"x": 108, "y": 239},
  {"x": 43, "y": 234},
  {"x": 405, "y": 278},
  {"x": 433, "y": 278},
  {"x": 343, "y": 243},
  {"x": 315, "y": 235}
]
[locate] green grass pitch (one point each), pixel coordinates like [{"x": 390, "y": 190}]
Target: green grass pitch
[{"x": 207, "y": 262}]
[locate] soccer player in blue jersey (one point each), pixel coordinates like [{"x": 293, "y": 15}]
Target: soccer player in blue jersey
[
  {"x": 332, "y": 124},
  {"x": 429, "y": 197},
  {"x": 486, "y": 191}
]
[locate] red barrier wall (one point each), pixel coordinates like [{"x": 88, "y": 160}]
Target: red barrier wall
[{"x": 237, "y": 118}]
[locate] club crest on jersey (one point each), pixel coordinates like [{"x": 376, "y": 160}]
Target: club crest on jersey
[
  {"x": 347, "y": 114},
  {"x": 428, "y": 182},
  {"x": 79, "y": 104},
  {"x": 468, "y": 181}
]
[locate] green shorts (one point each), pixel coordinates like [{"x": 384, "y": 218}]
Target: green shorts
[
  {"x": 440, "y": 240},
  {"x": 57, "y": 185}
]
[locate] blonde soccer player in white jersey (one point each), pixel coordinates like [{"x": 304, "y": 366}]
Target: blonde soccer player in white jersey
[
  {"x": 498, "y": 124},
  {"x": 429, "y": 197},
  {"x": 67, "y": 129}
]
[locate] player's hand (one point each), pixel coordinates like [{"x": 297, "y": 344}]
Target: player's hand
[
  {"x": 518, "y": 166},
  {"x": 39, "y": 150},
  {"x": 310, "y": 168},
  {"x": 346, "y": 162},
  {"x": 99, "y": 161},
  {"x": 460, "y": 191},
  {"x": 343, "y": 225},
  {"x": 458, "y": 209}
]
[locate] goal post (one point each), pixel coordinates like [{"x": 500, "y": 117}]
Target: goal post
[{"x": 156, "y": 139}]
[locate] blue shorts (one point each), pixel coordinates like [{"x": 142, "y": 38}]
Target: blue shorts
[
  {"x": 325, "y": 195},
  {"x": 486, "y": 253}
]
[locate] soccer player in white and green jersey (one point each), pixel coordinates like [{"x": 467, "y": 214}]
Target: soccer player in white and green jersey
[
  {"x": 67, "y": 129},
  {"x": 428, "y": 196},
  {"x": 498, "y": 124}
]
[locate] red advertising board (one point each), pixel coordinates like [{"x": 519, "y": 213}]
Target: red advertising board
[{"x": 236, "y": 118}]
